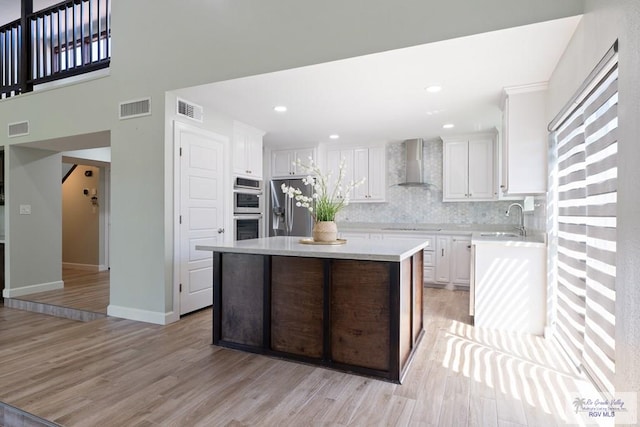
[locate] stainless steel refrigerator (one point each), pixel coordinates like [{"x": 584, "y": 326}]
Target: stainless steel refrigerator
[{"x": 285, "y": 218}]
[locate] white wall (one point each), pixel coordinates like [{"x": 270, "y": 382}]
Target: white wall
[
  {"x": 191, "y": 43},
  {"x": 35, "y": 240},
  {"x": 604, "y": 22}
]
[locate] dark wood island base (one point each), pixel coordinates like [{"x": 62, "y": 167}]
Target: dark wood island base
[{"x": 360, "y": 316}]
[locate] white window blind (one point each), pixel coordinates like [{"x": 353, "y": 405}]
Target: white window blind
[{"x": 584, "y": 192}]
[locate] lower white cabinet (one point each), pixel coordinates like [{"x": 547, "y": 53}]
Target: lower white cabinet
[
  {"x": 461, "y": 262},
  {"x": 450, "y": 262},
  {"x": 447, "y": 258},
  {"x": 443, "y": 259},
  {"x": 355, "y": 235},
  {"x": 509, "y": 287}
]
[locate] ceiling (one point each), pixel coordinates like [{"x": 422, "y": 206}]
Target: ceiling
[{"x": 382, "y": 97}]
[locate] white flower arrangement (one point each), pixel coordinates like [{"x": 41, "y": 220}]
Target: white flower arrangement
[{"x": 324, "y": 203}]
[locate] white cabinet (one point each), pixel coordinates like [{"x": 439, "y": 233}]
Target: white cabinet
[
  {"x": 283, "y": 162},
  {"x": 461, "y": 260},
  {"x": 370, "y": 163},
  {"x": 247, "y": 150},
  {"x": 449, "y": 265},
  {"x": 362, "y": 162},
  {"x": 469, "y": 167},
  {"x": 443, "y": 259},
  {"x": 524, "y": 141},
  {"x": 334, "y": 159},
  {"x": 359, "y": 235},
  {"x": 354, "y": 235},
  {"x": 509, "y": 289},
  {"x": 447, "y": 258},
  {"x": 429, "y": 269}
]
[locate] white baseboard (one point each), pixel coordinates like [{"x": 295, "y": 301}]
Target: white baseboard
[
  {"x": 140, "y": 315},
  {"x": 32, "y": 289},
  {"x": 76, "y": 266}
]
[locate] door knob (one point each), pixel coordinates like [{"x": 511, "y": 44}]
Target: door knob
[{"x": 220, "y": 230}]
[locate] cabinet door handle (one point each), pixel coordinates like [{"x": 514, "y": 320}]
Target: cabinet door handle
[{"x": 442, "y": 251}]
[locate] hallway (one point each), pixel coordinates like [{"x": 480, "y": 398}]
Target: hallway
[{"x": 85, "y": 296}]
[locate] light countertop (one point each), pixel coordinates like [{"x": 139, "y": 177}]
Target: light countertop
[
  {"x": 532, "y": 239},
  {"x": 388, "y": 250},
  {"x": 478, "y": 232},
  {"x": 419, "y": 228}
]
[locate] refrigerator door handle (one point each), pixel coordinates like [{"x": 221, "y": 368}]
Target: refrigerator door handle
[{"x": 288, "y": 214}]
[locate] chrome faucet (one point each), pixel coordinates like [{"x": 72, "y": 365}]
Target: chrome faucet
[{"x": 521, "y": 229}]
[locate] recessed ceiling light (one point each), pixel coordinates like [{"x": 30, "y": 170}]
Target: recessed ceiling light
[
  {"x": 434, "y": 89},
  {"x": 334, "y": 136},
  {"x": 448, "y": 126},
  {"x": 280, "y": 109}
]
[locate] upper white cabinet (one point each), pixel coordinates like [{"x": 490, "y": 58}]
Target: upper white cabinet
[
  {"x": 334, "y": 158},
  {"x": 524, "y": 141},
  {"x": 283, "y": 162},
  {"x": 247, "y": 150},
  {"x": 469, "y": 167},
  {"x": 361, "y": 162}
]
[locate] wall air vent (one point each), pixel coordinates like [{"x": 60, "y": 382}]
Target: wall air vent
[
  {"x": 190, "y": 110},
  {"x": 135, "y": 108},
  {"x": 18, "y": 129}
]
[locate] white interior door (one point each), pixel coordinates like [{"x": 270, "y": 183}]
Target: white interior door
[{"x": 201, "y": 213}]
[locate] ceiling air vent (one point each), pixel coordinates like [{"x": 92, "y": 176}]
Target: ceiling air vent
[
  {"x": 190, "y": 110},
  {"x": 18, "y": 129},
  {"x": 135, "y": 108}
]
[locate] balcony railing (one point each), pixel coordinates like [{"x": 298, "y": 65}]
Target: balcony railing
[
  {"x": 65, "y": 40},
  {"x": 10, "y": 43}
]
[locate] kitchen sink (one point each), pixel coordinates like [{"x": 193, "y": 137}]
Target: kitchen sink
[{"x": 500, "y": 234}]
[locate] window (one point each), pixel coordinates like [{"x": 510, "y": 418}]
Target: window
[{"x": 582, "y": 210}]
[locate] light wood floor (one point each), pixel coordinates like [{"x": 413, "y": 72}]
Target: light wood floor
[
  {"x": 83, "y": 290},
  {"x": 114, "y": 372}
]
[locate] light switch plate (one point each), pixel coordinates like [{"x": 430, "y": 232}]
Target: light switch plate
[{"x": 25, "y": 209}]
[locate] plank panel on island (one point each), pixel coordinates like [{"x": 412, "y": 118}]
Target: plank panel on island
[{"x": 355, "y": 307}]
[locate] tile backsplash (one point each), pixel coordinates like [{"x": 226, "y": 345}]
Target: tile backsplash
[{"x": 423, "y": 204}]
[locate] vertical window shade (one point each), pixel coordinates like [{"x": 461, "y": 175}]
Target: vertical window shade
[{"x": 584, "y": 187}]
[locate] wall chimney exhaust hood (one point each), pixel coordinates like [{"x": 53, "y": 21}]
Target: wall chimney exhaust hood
[{"x": 413, "y": 166}]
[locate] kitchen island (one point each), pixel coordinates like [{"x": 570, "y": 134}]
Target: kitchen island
[{"x": 355, "y": 307}]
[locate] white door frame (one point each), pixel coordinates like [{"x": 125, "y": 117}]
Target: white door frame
[
  {"x": 107, "y": 216},
  {"x": 177, "y": 126}
]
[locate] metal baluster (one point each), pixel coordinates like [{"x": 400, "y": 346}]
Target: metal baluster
[
  {"x": 107, "y": 35},
  {"x": 90, "y": 32},
  {"x": 82, "y": 47},
  {"x": 99, "y": 33},
  {"x": 50, "y": 44}
]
